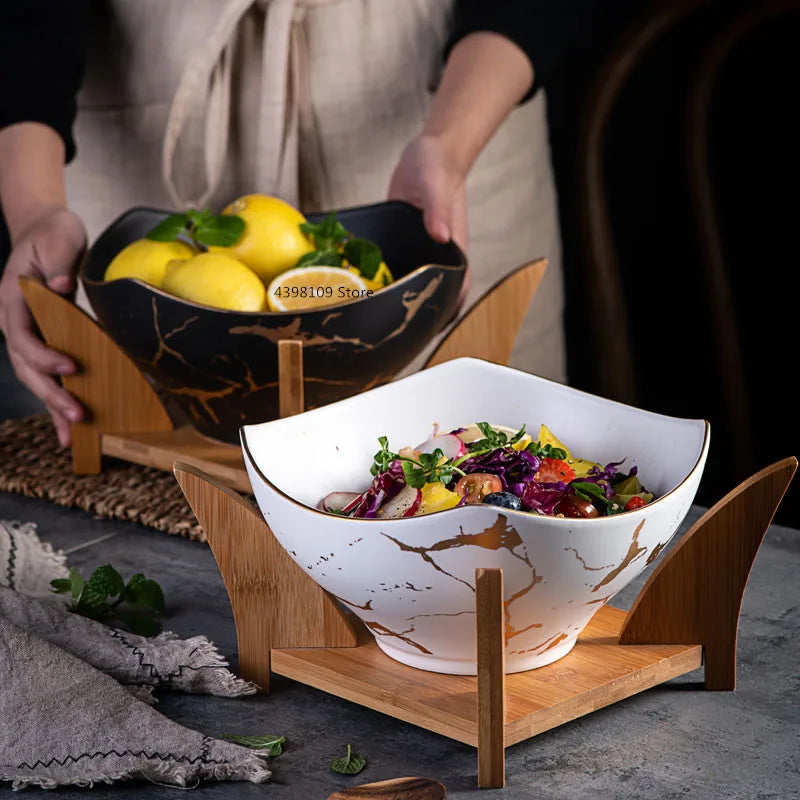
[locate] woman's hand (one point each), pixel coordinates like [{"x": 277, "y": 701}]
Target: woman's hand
[
  {"x": 48, "y": 249},
  {"x": 485, "y": 76},
  {"x": 428, "y": 178}
]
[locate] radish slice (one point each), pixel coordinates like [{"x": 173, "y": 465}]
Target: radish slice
[
  {"x": 339, "y": 501},
  {"x": 404, "y": 504},
  {"x": 472, "y": 432},
  {"x": 448, "y": 443}
]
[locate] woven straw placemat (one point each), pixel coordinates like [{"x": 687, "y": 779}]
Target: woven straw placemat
[{"x": 32, "y": 464}]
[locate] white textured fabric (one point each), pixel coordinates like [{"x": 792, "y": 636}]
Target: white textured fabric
[
  {"x": 75, "y": 695},
  {"x": 27, "y": 565}
]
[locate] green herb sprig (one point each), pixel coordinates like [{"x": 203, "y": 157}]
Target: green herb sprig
[
  {"x": 106, "y": 596},
  {"x": 546, "y": 451},
  {"x": 492, "y": 440},
  {"x": 351, "y": 764},
  {"x": 269, "y": 742},
  {"x": 429, "y": 468},
  {"x": 334, "y": 245},
  {"x": 202, "y": 227}
]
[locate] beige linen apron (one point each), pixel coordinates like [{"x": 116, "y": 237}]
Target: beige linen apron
[{"x": 194, "y": 103}]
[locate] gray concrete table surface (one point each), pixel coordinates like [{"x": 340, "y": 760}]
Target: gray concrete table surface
[{"x": 674, "y": 741}]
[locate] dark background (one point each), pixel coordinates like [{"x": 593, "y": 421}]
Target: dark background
[{"x": 753, "y": 138}]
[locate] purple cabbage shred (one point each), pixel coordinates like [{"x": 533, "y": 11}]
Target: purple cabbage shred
[{"x": 385, "y": 486}]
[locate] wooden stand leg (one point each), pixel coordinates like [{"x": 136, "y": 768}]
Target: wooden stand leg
[
  {"x": 87, "y": 453},
  {"x": 116, "y": 397},
  {"x": 290, "y": 378},
  {"x": 275, "y": 604},
  {"x": 489, "y": 329},
  {"x": 491, "y": 678},
  {"x": 695, "y": 595}
]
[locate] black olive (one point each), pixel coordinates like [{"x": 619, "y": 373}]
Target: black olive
[{"x": 504, "y": 500}]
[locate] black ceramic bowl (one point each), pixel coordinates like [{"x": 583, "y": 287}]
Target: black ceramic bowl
[{"x": 221, "y": 366}]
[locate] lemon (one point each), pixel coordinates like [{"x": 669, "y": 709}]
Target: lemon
[
  {"x": 437, "y": 497},
  {"x": 272, "y": 241},
  {"x": 580, "y": 465},
  {"x": 313, "y": 287},
  {"x": 146, "y": 260},
  {"x": 383, "y": 277},
  {"x": 215, "y": 280},
  {"x": 522, "y": 443}
]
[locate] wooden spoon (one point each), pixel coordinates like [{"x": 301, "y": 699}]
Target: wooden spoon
[{"x": 394, "y": 789}]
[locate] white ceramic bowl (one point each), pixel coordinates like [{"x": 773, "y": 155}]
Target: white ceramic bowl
[{"x": 411, "y": 580}]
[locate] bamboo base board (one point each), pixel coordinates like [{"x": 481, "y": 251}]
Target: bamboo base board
[
  {"x": 597, "y": 673},
  {"x": 160, "y": 449}
]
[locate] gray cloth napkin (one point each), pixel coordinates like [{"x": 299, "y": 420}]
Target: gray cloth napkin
[{"x": 74, "y": 694}]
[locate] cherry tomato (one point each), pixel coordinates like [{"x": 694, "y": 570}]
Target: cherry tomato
[
  {"x": 634, "y": 503},
  {"x": 575, "y": 508},
  {"x": 477, "y": 485}
]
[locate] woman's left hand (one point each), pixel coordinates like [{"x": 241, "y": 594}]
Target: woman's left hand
[{"x": 429, "y": 179}]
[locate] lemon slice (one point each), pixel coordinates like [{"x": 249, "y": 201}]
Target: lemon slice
[{"x": 314, "y": 287}]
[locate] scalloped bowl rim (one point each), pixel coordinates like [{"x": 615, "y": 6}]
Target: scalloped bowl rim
[
  {"x": 462, "y": 267},
  {"x": 554, "y": 523}
]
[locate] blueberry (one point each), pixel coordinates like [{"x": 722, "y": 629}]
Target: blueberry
[{"x": 504, "y": 500}]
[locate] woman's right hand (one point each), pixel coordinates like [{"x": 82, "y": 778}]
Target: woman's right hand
[{"x": 48, "y": 249}]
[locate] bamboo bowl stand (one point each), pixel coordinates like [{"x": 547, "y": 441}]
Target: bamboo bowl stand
[
  {"x": 125, "y": 417},
  {"x": 685, "y": 616}
]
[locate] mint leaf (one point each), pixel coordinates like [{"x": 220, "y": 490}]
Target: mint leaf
[
  {"x": 169, "y": 229},
  {"x": 104, "y": 582},
  {"x": 326, "y": 235},
  {"x": 323, "y": 258},
  {"x": 199, "y": 217},
  {"x": 222, "y": 231},
  {"x": 92, "y": 598},
  {"x": 203, "y": 227},
  {"x": 365, "y": 255},
  {"x": 274, "y": 744},
  {"x": 76, "y": 584},
  {"x": 351, "y": 764},
  {"x": 144, "y": 593}
]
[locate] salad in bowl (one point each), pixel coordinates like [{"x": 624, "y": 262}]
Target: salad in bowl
[
  {"x": 495, "y": 465},
  {"x": 401, "y": 548}
]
